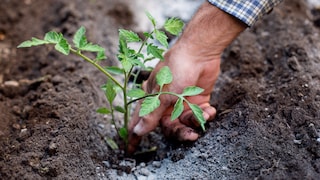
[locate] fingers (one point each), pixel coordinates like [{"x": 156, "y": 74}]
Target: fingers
[
  {"x": 140, "y": 126},
  {"x": 134, "y": 141},
  {"x": 177, "y": 130},
  {"x": 182, "y": 128}
]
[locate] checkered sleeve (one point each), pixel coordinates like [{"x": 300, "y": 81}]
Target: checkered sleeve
[{"x": 248, "y": 11}]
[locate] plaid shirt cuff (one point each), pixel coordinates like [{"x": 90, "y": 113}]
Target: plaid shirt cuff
[{"x": 248, "y": 11}]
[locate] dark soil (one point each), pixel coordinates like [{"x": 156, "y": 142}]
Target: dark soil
[{"x": 268, "y": 100}]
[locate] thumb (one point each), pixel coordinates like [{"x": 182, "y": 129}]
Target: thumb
[
  {"x": 140, "y": 126},
  {"x": 148, "y": 122}
]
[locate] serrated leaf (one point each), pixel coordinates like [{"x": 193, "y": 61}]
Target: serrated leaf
[
  {"x": 92, "y": 48},
  {"x": 53, "y": 37},
  {"x": 32, "y": 42},
  {"x": 79, "y": 38},
  {"x": 101, "y": 56},
  {"x": 123, "y": 46},
  {"x": 198, "y": 113},
  {"x": 103, "y": 110},
  {"x": 147, "y": 34},
  {"x": 173, "y": 26},
  {"x": 129, "y": 35},
  {"x": 110, "y": 91},
  {"x": 119, "y": 109},
  {"x": 192, "y": 91},
  {"x": 126, "y": 64},
  {"x": 148, "y": 105},
  {"x": 162, "y": 38},
  {"x": 178, "y": 109},
  {"x": 63, "y": 46},
  {"x": 114, "y": 70},
  {"x": 136, "y": 93},
  {"x": 136, "y": 62},
  {"x": 155, "y": 51},
  {"x": 151, "y": 18},
  {"x": 123, "y": 133},
  {"x": 112, "y": 144},
  {"x": 164, "y": 76}
]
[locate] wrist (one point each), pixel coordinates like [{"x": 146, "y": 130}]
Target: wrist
[{"x": 208, "y": 33}]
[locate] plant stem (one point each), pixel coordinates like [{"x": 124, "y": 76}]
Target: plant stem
[
  {"x": 97, "y": 66},
  {"x": 126, "y": 106},
  {"x": 125, "y": 100},
  {"x": 149, "y": 95}
]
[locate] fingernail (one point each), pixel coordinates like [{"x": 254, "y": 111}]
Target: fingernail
[
  {"x": 206, "y": 116},
  {"x": 138, "y": 129}
]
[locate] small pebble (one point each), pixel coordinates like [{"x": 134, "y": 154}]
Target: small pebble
[
  {"x": 16, "y": 110},
  {"x": 11, "y": 83},
  {"x": 293, "y": 63},
  {"x": 16, "y": 126},
  {"x": 295, "y": 141},
  {"x": 144, "y": 172},
  {"x": 156, "y": 164},
  {"x": 52, "y": 146},
  {"x": 142, "y": 164},
  {"x": 225, "y": 168},
  {"x": 106, "y": 163},
  {"x": 23, "y": 133}
]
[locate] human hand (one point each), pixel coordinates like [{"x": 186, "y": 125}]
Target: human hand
[
  {"x": 186, "y": 71},
  {"x": 194, "y": 61}
]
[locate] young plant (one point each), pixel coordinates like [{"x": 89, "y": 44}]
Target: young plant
[{"x": 132, "y": 62}]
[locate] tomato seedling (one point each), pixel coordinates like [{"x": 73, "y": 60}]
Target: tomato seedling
[{"x": 130, "y": 60}]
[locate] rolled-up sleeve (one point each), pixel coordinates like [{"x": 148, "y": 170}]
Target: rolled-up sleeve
[{"x": 248, "y": 11}]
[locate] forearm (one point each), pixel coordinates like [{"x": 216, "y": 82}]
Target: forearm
[{"x": 208, "y": 33}]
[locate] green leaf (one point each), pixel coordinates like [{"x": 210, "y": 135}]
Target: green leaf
[
  {"x": 173, "y": 26},
  {"x": 53, "y": 37},
  {"x": 147, "y": 34},
  {"x": 103, "y": 110},
  {"x": 155, "y": 51},
  {"x": 136, "y": 62},
  {"x": 32, "y": 42},
  {"x": 119, "y": 109},
  {"x": 129, "y": 35},
  {"x": 148, "y": 105},
  {"x": 164, "y": 76},
  {"x": 113, "y": 145},
  {"x": 92, "y": 48},
  {"x": 162, "y": 38},
  {"x": 79, "y": 38},
  {"x": 114, "y": 70},
  {"x": 101, "y": 56},
  {"x": 198, "y": 113},
  {"x": 63, "y": 46},
  {"x": 178, "y": 109},
  {"x": 123, "y": 133},
  {"x": 136, "y": 93},
  {"x": 110, "y": 91},
  {"x": 151, "y": 18},
  {"x": 192, "y": 91},
  {"x": 126, "y": 64},
  {"x": 123, "y": 46}
]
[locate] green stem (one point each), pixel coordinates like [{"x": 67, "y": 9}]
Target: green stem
[
  {"x": 126, "y": 106},
  {"x": 139, "y": 51},
  {"x": 158, "y": 93},
  {"x": 144, "y": 42},
  {"x": 97, "y": 66},
  {"x": 149, "y": 95}
]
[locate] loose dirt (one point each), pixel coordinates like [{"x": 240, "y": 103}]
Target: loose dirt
[{"x": 267, "y": 96}]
